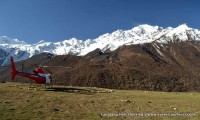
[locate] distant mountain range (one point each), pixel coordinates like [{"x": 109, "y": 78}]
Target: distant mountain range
[
  {"x": 141, "y": 34},
  {"x": 145, "y": 58}
]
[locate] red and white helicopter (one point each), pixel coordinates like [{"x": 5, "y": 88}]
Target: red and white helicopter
[{"x": 40, "y": 77}]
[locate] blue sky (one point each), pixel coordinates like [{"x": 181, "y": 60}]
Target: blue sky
[{"x": 57, "y": 20}]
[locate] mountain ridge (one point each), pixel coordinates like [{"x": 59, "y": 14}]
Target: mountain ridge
[
  {"x": 148, "y": 66},
  {"x": 141, "y": 34}
]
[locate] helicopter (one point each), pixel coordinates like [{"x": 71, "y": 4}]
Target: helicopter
[{"x": 41, "y": 78}]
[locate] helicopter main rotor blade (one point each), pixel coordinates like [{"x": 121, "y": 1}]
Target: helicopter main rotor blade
[{"x": 57, "y": 66}]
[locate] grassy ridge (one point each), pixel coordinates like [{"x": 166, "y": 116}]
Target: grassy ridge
[{"x": 17, "y": 102}]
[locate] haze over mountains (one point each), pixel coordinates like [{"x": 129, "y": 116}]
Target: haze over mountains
[{"x": 21, "y": 50}]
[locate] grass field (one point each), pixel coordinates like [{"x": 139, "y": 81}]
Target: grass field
[{"x": 72, "y": 103}]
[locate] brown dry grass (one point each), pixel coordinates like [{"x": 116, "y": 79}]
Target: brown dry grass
[{"x": 72, "y": 103}]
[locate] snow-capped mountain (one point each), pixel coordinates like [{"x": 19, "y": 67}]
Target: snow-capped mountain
[
  {"x": 7, "y": 40},
  {"x": 20, "y": 50}
]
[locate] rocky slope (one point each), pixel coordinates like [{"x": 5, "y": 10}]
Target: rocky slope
[{"x": 149, "y": 66}]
